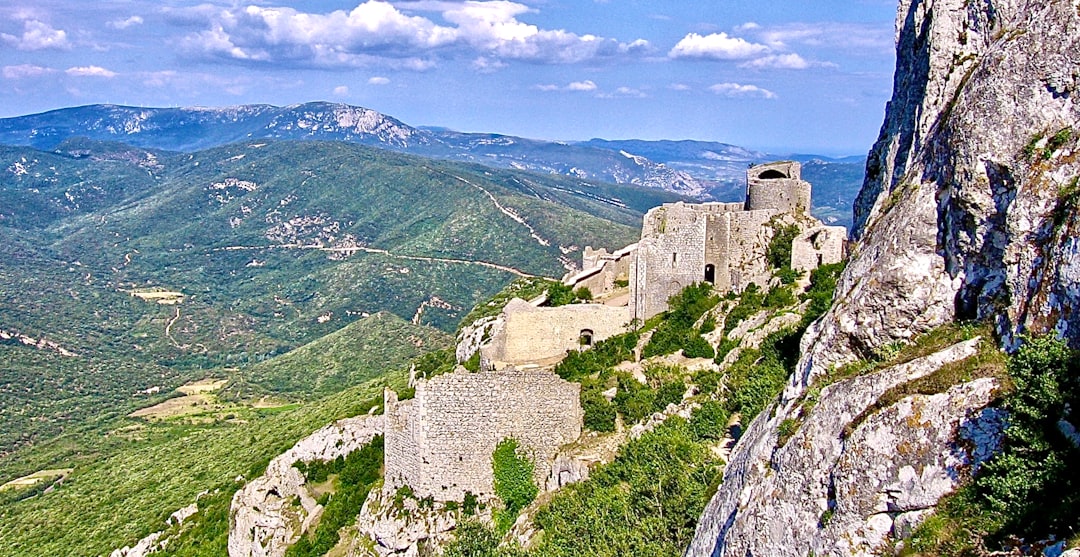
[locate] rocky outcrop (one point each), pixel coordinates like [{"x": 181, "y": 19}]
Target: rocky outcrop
[
  {"x": 969, "y": 205},
  {"x": 271, "y": 512},
  {"x": 969, "y": 210},
  {"x": 852, "y": 474},
  {"x": 390, "y": 524}
]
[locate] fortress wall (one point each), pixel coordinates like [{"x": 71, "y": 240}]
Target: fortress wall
[
  {"x": 440, "y": 443},
  {"x": 612, "y": 267},
  {"x": 783, "y": 195},
  {"x": 669, "y": 258},
  {"x": 821, "y": 245},
  {"x": 748, "y": 239},
  {"x": 533, "y": 334}
]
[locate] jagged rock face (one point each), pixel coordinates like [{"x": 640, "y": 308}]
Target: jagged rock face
[
  {"x": 968, "y": 209},
  {"x": 269, "y": 513},
  {"x": 850, "y": 477}
]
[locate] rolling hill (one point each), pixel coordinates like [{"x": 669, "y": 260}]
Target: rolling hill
[{"x": 142, "y": 269}]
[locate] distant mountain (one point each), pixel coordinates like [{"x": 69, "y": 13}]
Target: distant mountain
[
  {"x": 702, "y": 170},
  {"x": 190, "y": 129}
]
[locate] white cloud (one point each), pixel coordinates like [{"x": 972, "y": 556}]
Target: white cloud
[
  {"x": 586, "y": 85},
  {"x": 843, "y": 36},
  {"x": 25, "y": 70},
  {"x": 341, "y": 91},
  {"x": 624, "y": 92},
  {"x": 379, "y": 80},
  {"x": 789, "y": 61},
  {"x": 125, "y": 23},
  {"x": 738, "y": 90},
  {"x": 717, "y": 46},
  {"x": 583, "y": 86},
  {"x": 89, "y": 71},
  {"x": 378, "y": 32},
  {"x": 37, "y": 35},
  {"x": 679, "y": 87}
]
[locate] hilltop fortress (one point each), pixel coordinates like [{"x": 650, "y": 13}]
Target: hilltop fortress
[{"x": 440, "y": 443}]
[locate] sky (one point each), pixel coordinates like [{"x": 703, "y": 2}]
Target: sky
[{"x": 781, "y": 76}]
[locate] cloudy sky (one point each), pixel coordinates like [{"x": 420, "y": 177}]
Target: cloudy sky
[{"x": 778, "y": 75}]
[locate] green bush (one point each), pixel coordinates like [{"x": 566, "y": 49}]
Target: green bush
[
  {"x": 583, "y": 293},
  {"x": 751, "y": 301},
  {"x": 677, "y": 330},
  {"x": 473, "y": 539},
  {"x": 779, "y": 251},
  {"x": 709, "y": 422},
  {"x": 779, "y": 297},
  {"x": 513, "y": 473},
  {"x": 599, "y": 413},
  {"x": 599, "y": 358},
  {"x": 822, "y": 287},
  {"x": 559, "y": 294},
  {"x": 357, "y": 472},
  {"x": 697, "y": 347},
  {"x": 473, "y": 363},
  {"x": 668, "y": 393},
  {"x": 634, "y": 400},
  {"x": 1029, "y": 490},
  {"x": 646, "y": 502}
]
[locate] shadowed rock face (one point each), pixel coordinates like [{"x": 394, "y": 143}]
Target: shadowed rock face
[
  {"x": 969, "y": 210},
  {"x": 969, "y": 206}
]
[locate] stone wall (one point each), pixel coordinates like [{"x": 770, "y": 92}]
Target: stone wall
[
  {"x": 682, "y": 244},
  {"x": 601, "y": 269},
  {"x": 777, "y": 186},
  {"x": 440, "y": 443},
  {"x": 822, "y": 245},
  {"x": 670, "y": 256},
  {"x": 534, "y": 334}
]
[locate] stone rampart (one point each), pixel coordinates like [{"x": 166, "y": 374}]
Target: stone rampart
[
  {"x": 821, "y": 245},
  {"x": 534, "y": 334},
  {"x": 440, "y": 443}
]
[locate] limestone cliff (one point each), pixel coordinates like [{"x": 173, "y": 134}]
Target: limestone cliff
[
  {"x": 270, "y": 512},
  {"x": 969, "y": 210}
]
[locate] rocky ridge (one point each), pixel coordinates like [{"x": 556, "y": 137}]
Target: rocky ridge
[
  {"x": 969, "y": 211},
  {"x": 271, "y": 512}
]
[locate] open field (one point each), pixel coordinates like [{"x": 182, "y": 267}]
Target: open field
[{"x": 36, "y": 478}]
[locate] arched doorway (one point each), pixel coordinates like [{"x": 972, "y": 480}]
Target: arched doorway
[
  {"x": 585, "y": 338},
  {"x": 772, "y": 174},
  {"x": 710, "y": 273}
]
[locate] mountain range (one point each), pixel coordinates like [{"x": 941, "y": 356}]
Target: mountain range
[{"x": 698, "y": 169}]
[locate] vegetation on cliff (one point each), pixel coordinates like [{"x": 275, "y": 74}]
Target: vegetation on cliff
[{"x": 1028, "y": 492}]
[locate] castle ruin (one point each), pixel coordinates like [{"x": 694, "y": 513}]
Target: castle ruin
[{"x": 440, "y": 443}]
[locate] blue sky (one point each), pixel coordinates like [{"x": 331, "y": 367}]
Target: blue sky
[{"x": 776, "y": 75}]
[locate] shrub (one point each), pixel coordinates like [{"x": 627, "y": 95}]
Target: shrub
[
  {"x": 779, "y": 251},
  {"x": 779, "y": 297},
  {"x": 583, "y": 293},
  {"x": 599, "y": 358},
  {"x": 645, "y": 502},
  {"x": 677, "y": 329},
  {"x": 513, "y": 473},
  {"x": 695, "y": 346},
  {"x": 634, "y": 400},
  {"x": 473, "y": 363},
  {"x": 668, "y": 393},
  {"x": 559, "y": 294},
  {"x": 709, "y": 422},
  {"x": 599, "y": 414}
]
